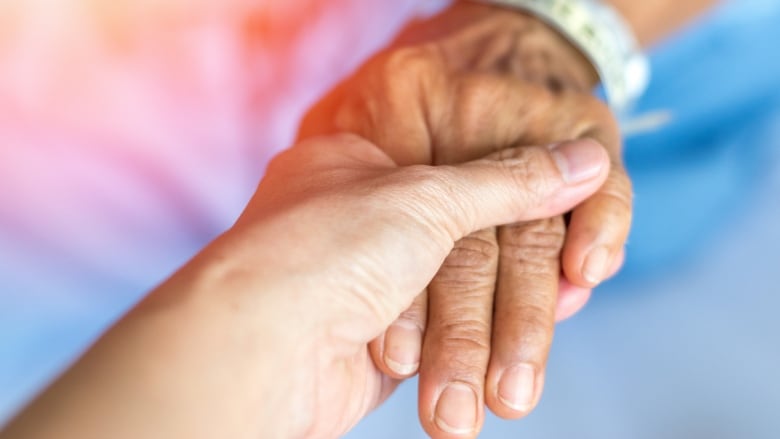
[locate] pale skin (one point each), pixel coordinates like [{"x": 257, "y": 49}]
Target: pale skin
[
  {"x": 265, "y": 333},
  {"x": 468, "y": 82},
  {"x": 226, "y": 347}
]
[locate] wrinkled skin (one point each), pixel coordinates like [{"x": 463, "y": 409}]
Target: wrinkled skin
[
  {"x": 474, "y": 80},
  {"x": 266, "y": 332}
]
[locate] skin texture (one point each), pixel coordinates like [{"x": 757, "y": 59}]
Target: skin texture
[
  {"x": 265, "y": 333},
  {"x": 473, "y": 81},
  {"x": 260, "y": 338}
]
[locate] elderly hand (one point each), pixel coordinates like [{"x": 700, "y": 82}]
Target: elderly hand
[
  {"x": 473, "y": 80},
  {"x": 266, "y": 332}
]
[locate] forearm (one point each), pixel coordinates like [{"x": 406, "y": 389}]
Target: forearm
[
  {"x": 651, "y": 20},
  {"x": 188, "y": 362}
]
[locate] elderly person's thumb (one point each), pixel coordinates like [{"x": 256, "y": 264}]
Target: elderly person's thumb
[{"x": 380, "y": 232}]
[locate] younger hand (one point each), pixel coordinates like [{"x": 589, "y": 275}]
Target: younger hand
[
  {"x": 266, "y": 332},
  {"x": 371, "y": 236}
]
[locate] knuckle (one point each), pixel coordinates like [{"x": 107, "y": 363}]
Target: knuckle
[
  {"x": 409, "y": 61},
  {"x": 482, "y": 101},
  {"x": 533, "y": 330},
  {"x": 534, "y": 245},
  {"x": 536, "y": 321},
  {"x": 527, "y": 169},
  {"x": 470, "y": 336},
  {"x": 474, "y": 252},
  {"x": 462, "y": 327},
  {"x": 383, "y": 88}
]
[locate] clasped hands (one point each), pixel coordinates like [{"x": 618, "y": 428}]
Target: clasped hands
[
  {"x": 473, "y": 81},
  {"x": 366, "y": 258}
]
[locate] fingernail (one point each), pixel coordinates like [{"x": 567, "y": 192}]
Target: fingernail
[
  {"x": 403, "y": 342},
  {"x": 456, "y": 412},
  {"x": 596, "y": 265},
  {"x": 578, "y": 161},
  {"x": 516, "y": 389}
]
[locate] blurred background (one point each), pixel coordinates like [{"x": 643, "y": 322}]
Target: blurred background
[{"x": 133, "y": 132}]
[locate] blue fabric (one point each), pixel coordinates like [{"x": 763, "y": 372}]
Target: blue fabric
[
  {"x": 721, "y": 82},
  {"x": 694, "y": 179}
]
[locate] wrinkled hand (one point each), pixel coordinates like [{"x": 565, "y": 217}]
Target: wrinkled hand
[
  {"x": 366, "y": 237},
  {"x": 473, "y": 80},
  {"x": 265, "y": 332}
]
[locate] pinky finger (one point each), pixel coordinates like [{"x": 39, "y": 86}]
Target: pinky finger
[
  {"x": 597, "y": 232},
  {"x": 572, "y": 298}
]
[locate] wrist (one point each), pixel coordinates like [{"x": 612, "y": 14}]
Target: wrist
[
  {"x": 236, "y": 319},
  {"x": 475, "y": 36},
  {"x": 602, "y": 35},
  {"x": 580, "y": 71},
  {"x": 537, "y": 37}
]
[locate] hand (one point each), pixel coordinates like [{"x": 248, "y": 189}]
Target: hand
[
  {"x": 265, "y": 333},
  {"x": 475, "y": 80}
]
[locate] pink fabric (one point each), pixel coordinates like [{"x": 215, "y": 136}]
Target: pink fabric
[
  {"x": 123, "y": 121},
  {"x": 134, "y": 131}
]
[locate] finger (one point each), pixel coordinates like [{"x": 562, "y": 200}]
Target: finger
[
  {"x": 515, "y": 184},
  {"x": 599, "y": 227},
  {"x": 457, "y": 341},
  {"x": 397, "y": 352},
  {"x": 617, "y": 264},
  {"x": 572, "y": 298},
  {"x": 418, "y": 213},
  {"x": 425, "y": 210},
  {"x": 598, "y": 231},
  {"x": 529, "y": 270}
]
